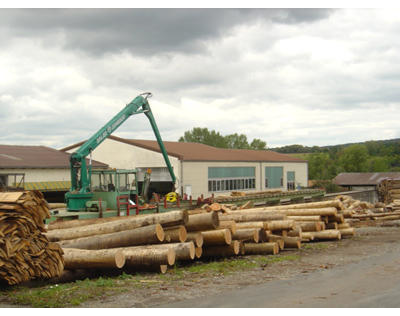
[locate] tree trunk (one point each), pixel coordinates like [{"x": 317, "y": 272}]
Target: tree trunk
[
  {"x": 183, "y": 250},
  {"x": 311, "y": 212},
  {"x": 261, "y": 248},
  {"x": 222, "y": 251},
  {"x": 278, "y": 239},
  {"x": 139, "y": 236},
  {"x": 252, "y": 217},
  {"x": 347, "y": 232},
  {"x": 292, "y": 242},
  {"x": 280, "y": 225},
  {"x": 61, "y": 224},
  {"x": 204, "y": 221},
  {"x": 89, "y": 259},
  {"x": 315, "y": 218},
  {"x": 344, "y": 225},
  {"x": 331, "y": 203},
  {"x": 172, "y": 218},
  {"x": 329, "y": 234},
  {"x": 247, "y": 234},
  {"x": 196, "y": 237},
  {"x": 218, "y": 237},
  {"x": 242, "y": 225},
  {"x": 229, "y": 225},
  {"x": 144, "y": 256},
  {"x": 175, "y": 234},
  {"x": 295, "y": 232},
  {"x": 310, "y": 226}
]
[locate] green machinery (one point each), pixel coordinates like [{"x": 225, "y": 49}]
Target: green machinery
[{"x": 90, "y": 187}]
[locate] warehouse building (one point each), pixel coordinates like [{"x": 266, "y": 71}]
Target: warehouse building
[
  {"x": 36, "y": 168},
  {"x": 202, "y": 169}
]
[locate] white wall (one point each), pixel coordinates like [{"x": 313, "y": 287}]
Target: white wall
[
  {"x": 195, "y": 174},
  {"x": 39, "y": 175}
]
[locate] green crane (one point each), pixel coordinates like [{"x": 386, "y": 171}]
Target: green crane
[{"x": 80, "y": 191}]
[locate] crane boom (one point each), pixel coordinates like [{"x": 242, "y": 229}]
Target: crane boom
[{"x": 80, "y": 184}]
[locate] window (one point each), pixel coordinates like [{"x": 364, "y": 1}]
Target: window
[
  {"x": 273, "y": 177},
  {"x": 231, "y": 178}
]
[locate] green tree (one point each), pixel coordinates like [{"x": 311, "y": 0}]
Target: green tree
[
  {"x": 378, "y": 164},
  {"x": 354, "y": 158},
  {"x": 237, "y": 141},
  {"x": 321, "y": 167},
  {"x": 258, "y": 144},
  {"x": 204, "y": 136}
]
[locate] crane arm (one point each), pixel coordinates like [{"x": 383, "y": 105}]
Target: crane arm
[{"x": 78, "y": 158}]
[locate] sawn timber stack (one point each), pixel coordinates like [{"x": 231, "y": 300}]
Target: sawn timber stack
[{"x": 25, "y": 252}]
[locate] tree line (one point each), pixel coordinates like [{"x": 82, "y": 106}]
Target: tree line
[{"x": 324, "y": 163}]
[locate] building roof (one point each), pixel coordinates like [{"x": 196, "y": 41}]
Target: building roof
[
  {"x": 33, "y": 157},
  {"x": 200, "y": 152},
  {"x": 363, "y": 178}
]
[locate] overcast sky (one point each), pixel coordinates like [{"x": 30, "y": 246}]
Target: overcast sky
[{"x": 286, "y": 76}]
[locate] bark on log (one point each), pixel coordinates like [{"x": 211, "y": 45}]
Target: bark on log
[
  {"x": 278, "y": 239},
  {"x": 89, "y": 259},
  {"x": 218, "y": 237},
  {"x": 145, "y": 256},
  {"x": 252, "y": 217},
  {"x": 280, "y": 225},
  {"x": 222, "y": 251},
  {"x": 183, "y": 250},
  {"x": 204, "y": 221},
  {"x": 229, "y": 225},
  {"x": 311, "y": 212},
  {"x": 60, "y": 224},
  {"x": 347, "y": 232},
  {"x": 292, "y": 242},
  {"x": 247, "y": 234},
  {"x": 329, "y": 234},
  {"x": 307, "y": 236},
  {"x": 242, "y": 225},
  {"x": 196, "y": 237},
  {"x": 139, "y": 236},
  {"x": 261, "y": 248},
  {"x": 331, "y": 203},
  {"x": 339, "y": 218},
  {"x": 295, "y": 232},
  {"x": 343, "y": 226},
  {"x": 173, "y": 218},
  {"x": 315, "y": 218},
  {"x": 310, "y": 226},
  {"x": 175, "y": 234}
]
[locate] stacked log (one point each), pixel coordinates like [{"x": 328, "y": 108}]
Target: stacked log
[{"x": 25, "y": 252}]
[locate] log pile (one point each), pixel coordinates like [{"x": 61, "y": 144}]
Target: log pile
[
  {"x": 25, "y": 252},
  {"x": 152, "y": 242},
  {"x": 388, "y": 190}
]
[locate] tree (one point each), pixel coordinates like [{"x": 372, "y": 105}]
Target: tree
[
  {"x": 378, "y": 164},
  {"x": 354, "y": 158},
  {"x": 321, "y": 167},
  {"x": 213, "y": 138},
  {"x": 258, "y": 144}
]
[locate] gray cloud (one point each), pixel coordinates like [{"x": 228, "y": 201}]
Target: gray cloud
[{"x": 140, "y": 31}]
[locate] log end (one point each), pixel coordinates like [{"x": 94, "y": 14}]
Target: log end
[
  {"x": 182, "y": 234},
  {"x": 192, "y": 250},
  {"x": 163, "y": 268},
  {"x": 235, "y": 247},
  {"x": 160, "y": 232},
  {"x": 228, "y": 236},
  {"x": 119, "y": 259},
  {"x": 198, "y": 252},
  {"x": 171, "y": 256}
]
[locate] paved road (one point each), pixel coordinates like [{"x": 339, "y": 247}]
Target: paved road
[{"x": 373, "y": 282}]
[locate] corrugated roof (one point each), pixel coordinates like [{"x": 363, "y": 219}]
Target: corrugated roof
[
  {"x": 201, "y": 152},
  {"x": 15, "y": 156},
  {"x": 364, "y": 178}
]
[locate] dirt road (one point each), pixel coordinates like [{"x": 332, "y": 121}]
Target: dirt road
[{"x": 374, "y": 281}]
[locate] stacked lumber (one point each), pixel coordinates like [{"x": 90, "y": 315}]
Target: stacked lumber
[
  {"x": 388, "y": 190},
  {"x": 25, "y": 252}
]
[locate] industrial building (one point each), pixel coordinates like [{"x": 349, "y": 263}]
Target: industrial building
[
  {"x": 36, "y": 168},
  {"x": 202, "y": 169}
]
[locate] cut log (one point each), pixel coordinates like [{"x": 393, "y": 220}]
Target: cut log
[
  {"x": 173, "y": 218},
  {"x": 261, "y": 248},
  {"x": 183, "y": 250},
  {"x": 222, "y": 251},
  {"x": 196, "y": 237},
  {"x": 307, "y": 236},
  {"x": 198, "y": 252},
  {"x": 145, "y": 256},
  {"x": 175, "y": 234},
  {"x": 339, "y": 218},
  {"x": 139, "y": 236},
  {"x": 248, "y": 234},
  {"x": 310, "y": 226},
  {"x": 280, "y": 225},
  {"x": 218, "y": 237},
  {"x": 311, "y": 212},
  {"x": 331, "y": 203},
  {"x": 278, "y": 239},
  {"x": 295, "y": 232},
  {"x": 347, "y": 232},
  {"x": 292, "y": 242},
  {"x": 329, "y": 234},
  {"x": 266, "y": 216},
  {"x": 344, "y": 225},
  {"x": 60, "y": 224},
  {"x": 89, "y": 259},
  {"x": 315, "y": 218},
  {"x": 231, "y": 225},
  {"x": 204, "y": 221},
  {"x": 242, "y": 225},
  {"x": 332, "y": 225}
]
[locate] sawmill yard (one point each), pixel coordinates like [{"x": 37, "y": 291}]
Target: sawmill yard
[
  {"x": 201, "y": 279},
  {"x": 208, "y": 251}
]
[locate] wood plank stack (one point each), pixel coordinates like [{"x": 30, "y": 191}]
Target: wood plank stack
[
  {"x": 389, "y": 190},
  {"x": 25, "y": 252}
]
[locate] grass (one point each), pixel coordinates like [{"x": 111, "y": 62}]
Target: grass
[
  {"x": 314, "y": 246},
  {"x": 78, "y": 292}
]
